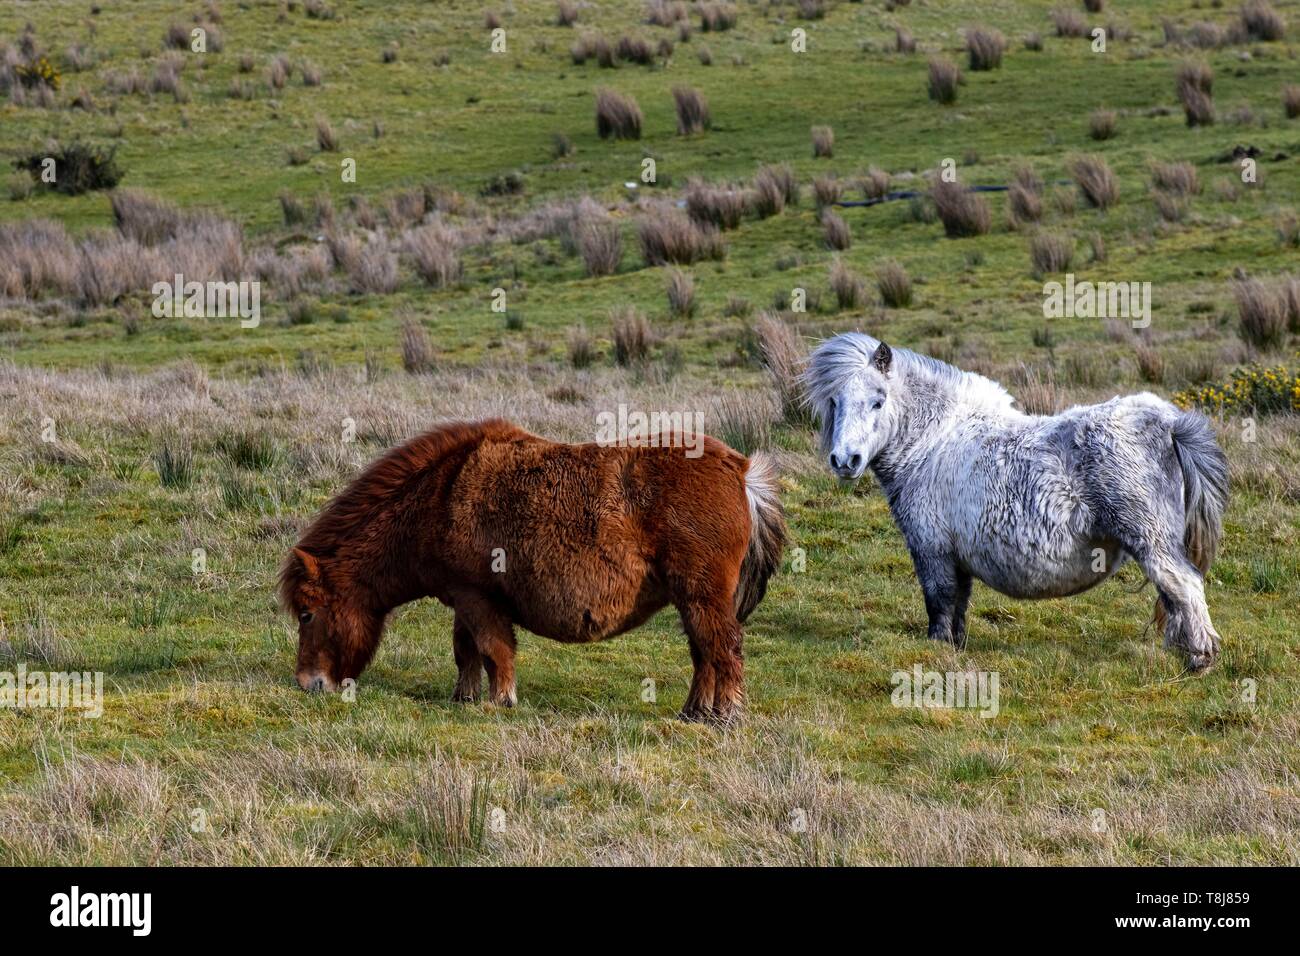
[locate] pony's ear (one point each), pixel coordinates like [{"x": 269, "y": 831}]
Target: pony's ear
[
  {"x": 882, "y": 358},
  {"x": 309, "y": 564}
]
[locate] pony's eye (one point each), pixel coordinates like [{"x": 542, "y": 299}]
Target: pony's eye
[
  {"x": 875, "y": 406},
  {"x": 305, "y": 617}
]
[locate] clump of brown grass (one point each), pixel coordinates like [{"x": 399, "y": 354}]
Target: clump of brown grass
[
  {"x": 984, "y": 48},
  {"x": 1262, "y": 313},
  {"x": 617, "y": 116},
  {"x": 904, "y": 42},
  {"x": 718, "y": 206},
  {"x": 599, "y": 242},
  {"x": 835, "y": 231},
  {"x": 1096, "y": 181},
  {"x": 692, "y": 111},
  {"x": 894, "y": 284},
  {"x": 326, "y": 138},
  {"x": 1150, "y": 363},
  {"x": 1069, "y": 23},
  {"x": 1102, "y": 124},
  {"x": 1194, "y": 83},
  {"x": 850, "y": 291},
  {"x": 823, "y": 142},
  {"x": 1178, "y": 179},
  {"x": 665, "y": 13},
  {"x": 374, "y": 271},
  {"x": 147, "y": 219},
  {"x": 1025, "y": 196},
  {"x": 672, "y": 237},
  {"x": 631, "y": 335},
  {"x": 962, "y": 212},
  {"x": 1050, "y": 253},
  {"x": 774, "y": 188},
  {"x": 875, "y": 183},
  {"x": 581, "y": 347},
  {"x": 681, "y": 293},
  {"x": 784, "y": 357},
  {"x": 1291, "y": 101},
  {"x": 944, "y": 78},
  {"x": 434, "y": 255},
  {"x": 1262, "y": 22},
  {"x": 827, "y": 191},
  {"x": 1035, "y": 391},
  {"x": 417, "y": 352},
  {"x": 566, "y": 13},
  {"x": 716, "y": 17},
  {"x": 634, "y": 50}
]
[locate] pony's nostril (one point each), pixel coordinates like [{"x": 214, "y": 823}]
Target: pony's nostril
[
  {"x": 835, "y": 462},
  {"x": 317, "y": 684},
  {"x": 855, "y": 461}
]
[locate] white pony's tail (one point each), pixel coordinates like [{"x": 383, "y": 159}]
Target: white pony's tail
[
  {"x": 1205, "y": 487},
  {"x": 767, "y": 534},
  {"x": 1205, "y": 494}
]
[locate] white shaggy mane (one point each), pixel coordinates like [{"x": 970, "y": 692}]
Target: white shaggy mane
[{"x": 844, "y": 356}]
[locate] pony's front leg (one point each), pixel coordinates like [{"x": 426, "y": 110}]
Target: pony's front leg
[{"x": 945, "y": 597}]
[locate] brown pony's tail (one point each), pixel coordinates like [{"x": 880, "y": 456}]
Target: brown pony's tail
[{"x": 766, "y": 534}]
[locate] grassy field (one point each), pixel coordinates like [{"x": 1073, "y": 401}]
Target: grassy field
[{"x": 1103, "y": 751}]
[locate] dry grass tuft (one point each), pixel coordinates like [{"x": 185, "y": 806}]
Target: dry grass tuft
[
  {"x": 823, "y": 142},
  {"x": 835, "y": 231},
  {"x": 1194, "y": 84},
  {"x": 1262, "y": 313},
  {"x": 617, "y": 116},
  {"x": 944, "y": 78},
  {"x": 1051, "y": 253},
  {"x": 669, "y": 236},
  {"x": 692, "y": 111},
  {"x": 1103, "y": 124},
  {"x": 984, "y": 48},
  {"x": 681, "y": 293},
  {"x": 631, "y": 334},
  {"x": 962, "y": 212},
  {"x": 894, "y": 284},
  {"x": 1096, "y": 181}
]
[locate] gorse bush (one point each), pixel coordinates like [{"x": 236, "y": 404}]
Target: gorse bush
[
  {"x": 1252, "y": 390},
  {"x": 78, "y": 167}
]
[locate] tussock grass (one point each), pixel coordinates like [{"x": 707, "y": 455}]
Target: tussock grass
[
  {"x": 984, "y": 48},
  {"x": 945, "y": 77},
  {"x": 617, "y": 116},
  {"x": 962, "y": 212},
  {"x": 1096, "y": 181}
]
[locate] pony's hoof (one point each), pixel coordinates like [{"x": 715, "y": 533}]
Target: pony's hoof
[{"x": 463, "y": 697}]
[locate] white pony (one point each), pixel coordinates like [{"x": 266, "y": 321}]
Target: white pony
[{"x": 1035, "y": 506}]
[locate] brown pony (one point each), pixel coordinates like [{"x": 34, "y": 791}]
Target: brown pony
[{"x": 573, "y": 542}]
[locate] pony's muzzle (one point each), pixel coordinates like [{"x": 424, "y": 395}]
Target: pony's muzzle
[
  {"x": 846, "y": 465},
  {"x": 314, "y": 683}
]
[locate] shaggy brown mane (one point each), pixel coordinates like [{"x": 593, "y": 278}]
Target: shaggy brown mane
[{"x": 371, "y": 491}]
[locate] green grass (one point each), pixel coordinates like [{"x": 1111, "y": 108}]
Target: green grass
[{"x": 156, "y": 461}]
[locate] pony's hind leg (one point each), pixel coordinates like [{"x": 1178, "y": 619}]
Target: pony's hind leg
[
  {"x": 718, "y": 687},
  {"x": 493, "y": 637},
  {"x": 469, "y": 662}
]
